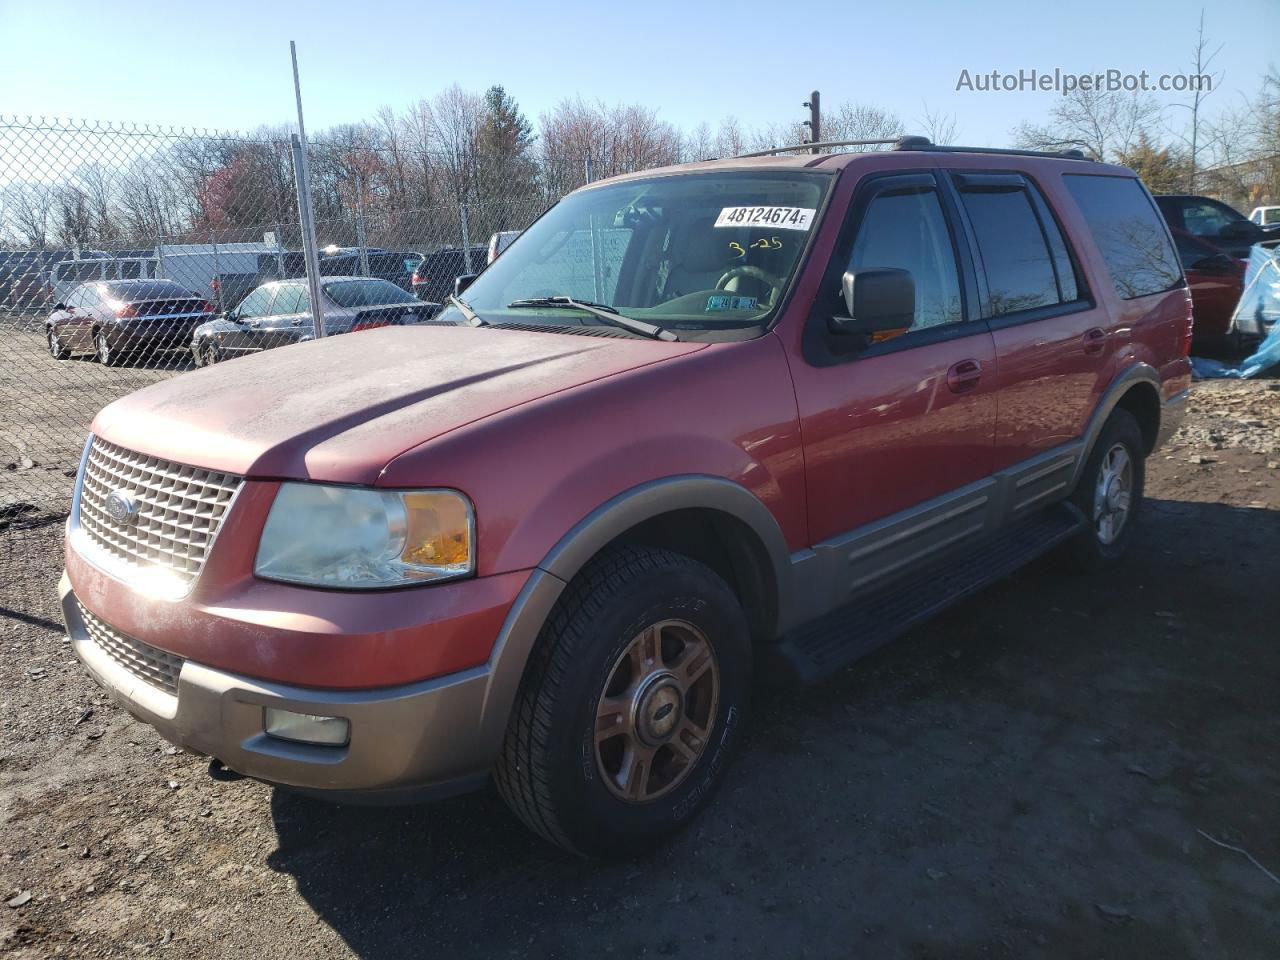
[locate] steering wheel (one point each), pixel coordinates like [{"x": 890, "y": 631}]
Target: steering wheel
[{"x": 755, "y": 273}]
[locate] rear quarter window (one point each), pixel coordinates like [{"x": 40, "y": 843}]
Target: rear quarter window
[{"x": 1130, "y": 233}]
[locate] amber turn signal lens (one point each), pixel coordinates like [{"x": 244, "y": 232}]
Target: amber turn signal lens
[{"x": 438, "y": 532}]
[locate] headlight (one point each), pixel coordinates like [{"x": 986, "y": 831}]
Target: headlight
[{"x": 353, "y": 537}]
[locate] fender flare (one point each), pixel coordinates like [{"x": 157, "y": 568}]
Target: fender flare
[
  {"x": 1125, "y": 381},
  {"x": 575, "y": 549},
  {"x": 648, "y": 500}
]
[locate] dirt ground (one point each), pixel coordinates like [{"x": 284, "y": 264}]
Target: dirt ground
[{"x": 1050, "y": 770}]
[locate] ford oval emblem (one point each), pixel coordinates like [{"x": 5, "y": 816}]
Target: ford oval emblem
[{"x": 121, "y": 507}]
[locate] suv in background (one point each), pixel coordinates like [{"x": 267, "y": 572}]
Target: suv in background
[
  {"x": 396, "y": 268},
  {"x": 695, "y": 423},
  {"x": 433, "y": 278},
  {"x": 1212, "y": 221}
]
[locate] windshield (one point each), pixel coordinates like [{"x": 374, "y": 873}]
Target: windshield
[
  {"x": 366, "y": 293},
  {"x": 693, "y": 252}
]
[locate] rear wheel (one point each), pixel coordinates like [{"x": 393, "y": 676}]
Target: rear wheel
[
  {"x": 630, "y": 706},
  {"x": 1109, "y": 494},
  {"x": 107, "y": 355},
  {"x": 57, "y": 349}
]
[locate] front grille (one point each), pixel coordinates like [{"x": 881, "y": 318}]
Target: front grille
[
  {"x": 178, "y": 509},
  {"x": 148, "y": 664}
]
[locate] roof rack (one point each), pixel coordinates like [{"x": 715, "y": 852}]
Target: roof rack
[
  {"x": 922, "y": 143},
  {"x": 916, "y": 143},
  {"x": 819, "y": 145}
]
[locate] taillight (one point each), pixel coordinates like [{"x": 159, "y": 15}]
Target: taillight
[
  {"x": 415, "y": 278},
  {"x": 1191, "y": 329},
  {"x": 208, "y": 307},
  {"x": 369, "y": 325},
  {"x": 215, "y": 284},
  {"x": 128, "y": 310}
]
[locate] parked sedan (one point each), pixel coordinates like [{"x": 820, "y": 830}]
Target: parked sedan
[
  {"x": 279, "y": 313},
  {"x": 1216, "y": 281},
  {"x": 118, "y": 319}
]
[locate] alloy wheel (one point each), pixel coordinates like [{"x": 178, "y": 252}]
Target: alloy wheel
[
  {"x": 654, "y": 718},
  {"x": 1113, "y": 494}
]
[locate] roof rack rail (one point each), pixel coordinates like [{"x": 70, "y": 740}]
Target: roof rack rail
[
  {"x": 910, "y": 143},
  {"x": 917, "y": 143},
  {"x": 823, "y": 143}
]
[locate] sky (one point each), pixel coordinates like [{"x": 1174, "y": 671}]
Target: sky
[{"x": 225, "y": 63}]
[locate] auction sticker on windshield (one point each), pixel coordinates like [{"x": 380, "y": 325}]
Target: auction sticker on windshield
[{"x": 781, "y": 218}]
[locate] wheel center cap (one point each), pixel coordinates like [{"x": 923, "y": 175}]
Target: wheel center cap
[{"x": 659, "y": 708}]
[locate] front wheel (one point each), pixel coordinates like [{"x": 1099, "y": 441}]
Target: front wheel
[
  {"x": 1109, "y": 494},
  {"x": 631, "y": 704},
  {"x": 57, "y": 349}
]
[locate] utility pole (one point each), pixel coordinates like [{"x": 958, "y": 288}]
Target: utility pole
[{"x": 814, "y": 123}]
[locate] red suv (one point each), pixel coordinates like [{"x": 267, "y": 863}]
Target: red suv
[{"x": 694, "y": 420}]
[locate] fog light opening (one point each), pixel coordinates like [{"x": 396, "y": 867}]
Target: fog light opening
[{"x": 306, "y": 728}]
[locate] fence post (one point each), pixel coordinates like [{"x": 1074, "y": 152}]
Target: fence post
[
  {"x": 217, "y": 275},
  {"x": 307, "y": 226},
  {"x": 306, "y": 221},
  {"x": 360, "y": 237},
  {"x": 466, "y": 235}
]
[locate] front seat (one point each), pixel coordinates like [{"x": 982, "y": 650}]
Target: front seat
[{"x": 704, "y": 256}]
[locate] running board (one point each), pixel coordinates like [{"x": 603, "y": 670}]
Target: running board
[{"x": 837, "y": 639}]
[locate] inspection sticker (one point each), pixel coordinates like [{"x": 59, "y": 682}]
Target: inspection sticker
[
  {"x": 780, "y": 218},
  {"x": 727, "y": 302}
]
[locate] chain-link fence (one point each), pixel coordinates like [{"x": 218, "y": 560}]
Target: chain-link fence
[{"x": 130, "y": 254}]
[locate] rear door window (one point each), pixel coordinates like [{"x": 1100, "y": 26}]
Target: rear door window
[
  {"x": 1130, "y": 233},
  {"x": 1022, "y": 271},
  {"x": 289, "y": 300}
]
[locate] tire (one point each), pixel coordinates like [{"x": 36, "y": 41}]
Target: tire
[
  {"x": 107, "y": 356},
  {"x": 1111, "y": 507},
  {"x": 574, "y": 788},
  {"x": 56, "y": 347}
]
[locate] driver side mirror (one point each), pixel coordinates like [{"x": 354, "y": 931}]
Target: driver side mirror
[
  {"x": 877, "y": 300},
  {"x": 461, "y": 283},
  {"x": 1239, "y": 230},
  {"x": 59, "y": 306}
]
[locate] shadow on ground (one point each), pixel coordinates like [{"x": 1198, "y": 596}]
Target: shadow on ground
[{"x": 1025, "y": 776}]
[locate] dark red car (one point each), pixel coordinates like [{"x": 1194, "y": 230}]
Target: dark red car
[
  {"x": 694, "y": 424},
  {"x": 1216, "y": 280}
]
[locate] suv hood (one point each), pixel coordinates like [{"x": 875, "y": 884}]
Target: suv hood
[{"x": 341, "y": 408}]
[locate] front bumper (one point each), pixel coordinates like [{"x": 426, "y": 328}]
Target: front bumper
[
  {"x": 411, "y": 736},
  {"x": 407, "y": 742}
]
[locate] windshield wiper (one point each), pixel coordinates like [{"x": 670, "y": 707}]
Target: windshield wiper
[
  {"x": 464, "y": 308},
  {"x": 606, "y": 313}
]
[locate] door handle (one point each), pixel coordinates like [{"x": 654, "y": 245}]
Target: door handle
[
  {"x": 1095, "y": 339},
  {"x": 964, "y": 376}
]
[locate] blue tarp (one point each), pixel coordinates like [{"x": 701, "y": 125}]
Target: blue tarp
[{"x": 1259, "y": 309}]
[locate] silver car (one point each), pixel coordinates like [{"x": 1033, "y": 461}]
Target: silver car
[{"x": 279, "y": 313}]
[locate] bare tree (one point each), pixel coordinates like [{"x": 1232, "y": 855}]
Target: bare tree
[
  {"x": 1102, "y": 123},
  {"x": 937, "y": 126},
  {"x": 30, "y": 206},
  {"x": 1202, "y": 59}
]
